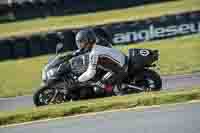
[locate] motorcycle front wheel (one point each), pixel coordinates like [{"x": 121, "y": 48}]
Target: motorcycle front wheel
[{"x": 46, "y": 95}]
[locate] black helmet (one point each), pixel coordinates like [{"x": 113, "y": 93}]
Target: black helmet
[{"x": 85, "y": 37}]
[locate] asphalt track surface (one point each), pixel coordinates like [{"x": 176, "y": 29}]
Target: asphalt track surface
[
  {"x": 169, "y": 82},
  {"x": 181, "y": 118}
]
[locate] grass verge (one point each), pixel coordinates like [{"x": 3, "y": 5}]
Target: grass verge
[
  {"x": 75, "y": 21},
  {"x": 177, "y": 56},
  {"x": 69, "y": 109}
]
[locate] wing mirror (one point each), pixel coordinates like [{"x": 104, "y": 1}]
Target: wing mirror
[{"x": 59, "y": 47}]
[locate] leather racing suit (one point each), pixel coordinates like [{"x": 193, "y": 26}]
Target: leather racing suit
[{"x": 109, "y": 59}]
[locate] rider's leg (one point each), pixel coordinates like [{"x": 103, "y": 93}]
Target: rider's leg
[
  {"x": 118, "y": 76},
  {"x": 104, "y": 80},
  {"x": 111, "y": 78}
]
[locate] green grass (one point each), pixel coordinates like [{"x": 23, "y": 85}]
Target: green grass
[
  {"x": 69, "y": 109},
  {"x": 177, "y": 56},
  {"x": 19, "y": 77},
  {"x": 135, "y": 13}
]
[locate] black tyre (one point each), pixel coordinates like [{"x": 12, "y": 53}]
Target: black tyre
[
  {"x": 47, "y": 95},
  {"x": 43, "y": 96},
  {"x": 149, "y": 80}
]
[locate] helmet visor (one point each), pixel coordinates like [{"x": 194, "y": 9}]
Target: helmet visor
[{"x": 80, "y": 44}]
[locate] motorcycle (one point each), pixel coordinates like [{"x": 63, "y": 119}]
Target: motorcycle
[{"x": 58, "y": 76}]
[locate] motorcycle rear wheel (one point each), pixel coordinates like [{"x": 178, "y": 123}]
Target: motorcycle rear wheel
[{"x": 149, "y": 80}]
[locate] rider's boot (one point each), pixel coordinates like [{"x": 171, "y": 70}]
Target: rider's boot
[{"x": 119, "y": 90}]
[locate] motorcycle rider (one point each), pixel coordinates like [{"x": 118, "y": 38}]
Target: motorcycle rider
[{"x": 109, "y": 59}]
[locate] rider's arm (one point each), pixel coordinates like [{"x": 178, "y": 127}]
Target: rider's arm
[
  {"x": 77, "y": 52},
  {"x": 91, "y": 71}
]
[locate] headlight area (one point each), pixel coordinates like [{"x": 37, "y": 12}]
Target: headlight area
[
  {"x": 44, "y": 76},
  {"x": 49, "y": 74}
]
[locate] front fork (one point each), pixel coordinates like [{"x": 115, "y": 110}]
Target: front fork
[{"x": 59, "y": 88}]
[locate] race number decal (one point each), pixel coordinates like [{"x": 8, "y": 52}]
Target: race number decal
[{"x": 144, "y": 52}]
